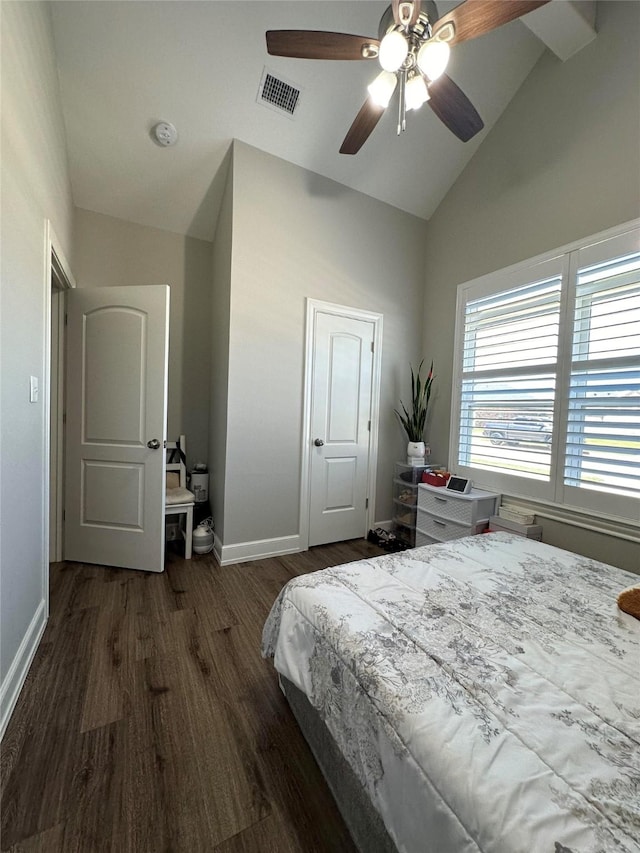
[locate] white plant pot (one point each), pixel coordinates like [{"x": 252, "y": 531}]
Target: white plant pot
[{"x": 416, "y": 450}]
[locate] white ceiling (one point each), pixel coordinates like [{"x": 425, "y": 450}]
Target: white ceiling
[{"x": 123, "y": 66}]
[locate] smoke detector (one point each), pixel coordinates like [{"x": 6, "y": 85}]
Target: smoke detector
[{"x": 164, "y": 134}]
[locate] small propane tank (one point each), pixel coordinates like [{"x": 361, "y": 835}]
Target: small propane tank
[{"x": 203, "y": 537}]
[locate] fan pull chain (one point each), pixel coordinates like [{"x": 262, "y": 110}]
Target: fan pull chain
[{"x": 402, "y": 106}]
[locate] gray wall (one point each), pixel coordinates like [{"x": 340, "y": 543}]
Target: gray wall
[
  {"x": 110, "y": 252},
  {"x": 563, "y": 162},
  {"x": 35, "y": 186},
  {"x": 220, "y": 318},
  {"x": 298, "y": 235}
]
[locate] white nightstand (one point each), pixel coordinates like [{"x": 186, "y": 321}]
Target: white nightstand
[{"x": 443, "y": 515}]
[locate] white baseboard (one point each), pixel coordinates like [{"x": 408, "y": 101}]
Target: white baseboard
[
  {"x": 217, "y": 547},
  {"x": 17, "y": 674},
  {"x": 263, "y": 548},
  {"x": 258, "y": 550}
]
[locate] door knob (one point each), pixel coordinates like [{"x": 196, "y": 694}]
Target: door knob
[
  {"x": 154, "y": 444},
  {"x": 318, "y": 442}
]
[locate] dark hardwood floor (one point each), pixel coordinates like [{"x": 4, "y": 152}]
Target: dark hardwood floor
[{"x": 150, "y": 722}]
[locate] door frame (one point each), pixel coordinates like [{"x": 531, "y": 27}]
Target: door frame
[
  {"x": 313, "y": 308},
  {"x": 57, "y": 279}
]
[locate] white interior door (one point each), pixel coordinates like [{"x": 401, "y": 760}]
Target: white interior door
[
  {"x": 116, "y": 383},
  {"x": 340, "y": 427}
]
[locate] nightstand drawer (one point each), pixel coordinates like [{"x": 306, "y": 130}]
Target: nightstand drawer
[
  {"x": 443, "y": 529},
  {"x": 423, "y": 539},
  {"x": 466, "y": 509},
  {"x": 445, "y": 506}
]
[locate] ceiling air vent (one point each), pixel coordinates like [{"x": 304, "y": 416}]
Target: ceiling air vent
[{"x": 278, "y": 94}]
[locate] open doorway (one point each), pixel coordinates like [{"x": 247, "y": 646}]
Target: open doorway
[{"x": 59, "y": 280}]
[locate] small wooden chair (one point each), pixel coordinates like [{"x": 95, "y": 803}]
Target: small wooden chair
[{"x": 179, "y": 500}]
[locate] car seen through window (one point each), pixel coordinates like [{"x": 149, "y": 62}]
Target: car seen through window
[{"x": 520, "y": 430}]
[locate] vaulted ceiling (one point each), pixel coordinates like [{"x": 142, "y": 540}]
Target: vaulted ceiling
[{"x": 124, "y": 66}]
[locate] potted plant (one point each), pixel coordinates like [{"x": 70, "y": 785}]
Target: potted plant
[{"x": 414, "y": 420}]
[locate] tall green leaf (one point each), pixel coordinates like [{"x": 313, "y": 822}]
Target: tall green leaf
[{"x": 414, "y": 422}]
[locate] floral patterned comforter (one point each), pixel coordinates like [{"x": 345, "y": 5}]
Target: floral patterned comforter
[{"x": 485, "y": 691}]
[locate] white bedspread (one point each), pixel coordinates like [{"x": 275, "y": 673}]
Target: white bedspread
[{"x": 486, "y": 692}]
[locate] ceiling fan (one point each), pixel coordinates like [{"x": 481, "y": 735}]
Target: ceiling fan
[{"x": 413, "y": 48}]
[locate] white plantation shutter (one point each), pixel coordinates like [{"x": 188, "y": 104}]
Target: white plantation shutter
[
  {"x": 510, "y": 352},
  {"x": 547, "y": 378},
  {"x": 603, "y": 427}
]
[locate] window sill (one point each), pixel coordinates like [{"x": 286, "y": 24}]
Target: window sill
[{"x": 620, "y": 528}]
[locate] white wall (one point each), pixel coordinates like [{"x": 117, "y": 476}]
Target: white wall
[
  {"x": 35, "y": 186},
  {"x": 563, "y": 162},
  {"x": 297, "y": 235},
  {"x": 220, "y": 319},
  {"x": 110, "y": 252}
]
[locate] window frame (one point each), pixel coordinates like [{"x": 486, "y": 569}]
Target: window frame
[{"x": 566, "y": 261}]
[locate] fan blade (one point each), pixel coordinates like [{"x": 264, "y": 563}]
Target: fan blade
[
  {"x": 363, "y": 124},
  {"x": 312, "y": 44},
  {"x": 415, "y": 11},
  {"x": 454, "y": 109},
  {"x": 474, "y": 18}
]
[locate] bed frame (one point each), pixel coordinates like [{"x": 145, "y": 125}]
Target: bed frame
[{"x": 363, "y": 821}]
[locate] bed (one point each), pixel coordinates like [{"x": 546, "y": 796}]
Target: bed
[{"x": 481, "y": 694}]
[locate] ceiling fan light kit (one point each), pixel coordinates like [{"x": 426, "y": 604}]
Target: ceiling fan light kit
[
  {"x": 416, "y": 92},
  {"x": 393, "y": 51},
  {"x": 382, "y": 88},
  {"x": 433, "y": 58},
  {"x": 413, "y": 49}
]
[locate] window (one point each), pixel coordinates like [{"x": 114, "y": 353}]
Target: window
[
  {"x": 548, "y": 372},
  {"x": 603, "y": 429},
  {"x": 509, "y": 378}
]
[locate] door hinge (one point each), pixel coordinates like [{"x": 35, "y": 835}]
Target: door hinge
[
  {"x": 66, "y": 318},
  {"x": 369, "y": 426},
  {"x": 64, "y": 515},
  {"x": 372, "y": 346},
  {"x": 366, "y": 503}
]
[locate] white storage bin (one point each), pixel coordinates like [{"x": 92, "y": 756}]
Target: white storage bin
[
  {"x": 466, "y": 509},
  {"x": 423, "y": 539},
  {"x": 445, "y": 529}
]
